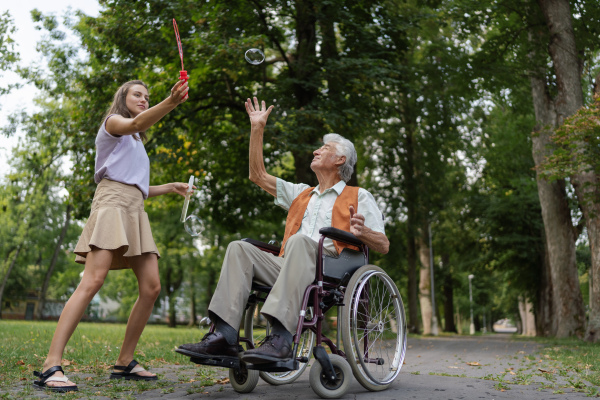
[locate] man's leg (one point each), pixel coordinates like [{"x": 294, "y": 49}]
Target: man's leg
[
  {"x": 243, "y": 264},
  {"x": 282, "y": 306}
]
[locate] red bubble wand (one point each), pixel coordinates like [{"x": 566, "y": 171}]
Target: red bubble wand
[{"x": 183, "y": 73}]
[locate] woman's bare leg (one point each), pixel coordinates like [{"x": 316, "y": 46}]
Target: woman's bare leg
[
  {"x": 145, "y": 268},
  {"x": 97, "y": 265}
]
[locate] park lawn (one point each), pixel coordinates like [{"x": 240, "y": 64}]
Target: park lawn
[
  {"x": 579, "y": 357},
  {"x": 92, "y": 350}
]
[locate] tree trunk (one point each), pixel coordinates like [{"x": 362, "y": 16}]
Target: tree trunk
[
  {"x": 39, "y": 314},
  {"x": 449, "y": 325},
  {"x": 411, "y": 227},
  {"x": 193, "y": 312},
  {"x": 6, "y": 275},
  {"x": 559, "y": 232},
  {"x": 304, "y": 70},
  {"x": 567, "y": 69},
  {"x": 425, "y": 283},
  {"x": 544, "y": 311}
]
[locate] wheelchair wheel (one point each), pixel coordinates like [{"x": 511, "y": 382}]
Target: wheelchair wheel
[
  {"x": 243, "y": 380},
  {"x": 257, "y": 327},
  {"x": 373, "y": 328},
  {"x": 326, "y": 388}
]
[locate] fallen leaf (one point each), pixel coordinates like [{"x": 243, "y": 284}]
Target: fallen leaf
[
  {"x": 89, "y": 378},
  {"x": 222, "y": 381},
  {"x": 512, "y": 373},
  {"x": 544, "y": 371},
  {"x": 474, "y": 364},
  {"x": 20, "y": 362}
]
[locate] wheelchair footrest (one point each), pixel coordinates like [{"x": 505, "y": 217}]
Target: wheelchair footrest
[
  {"x": 279, "y": 366},
  {"x": 227, "y": 362}
]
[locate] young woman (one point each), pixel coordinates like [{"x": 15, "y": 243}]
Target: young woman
[{"x": 117, "y": 234}]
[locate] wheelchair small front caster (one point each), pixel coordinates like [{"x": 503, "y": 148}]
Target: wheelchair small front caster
[
  {"x": 328, "y": 388},
  {"x": 242, "y": 379}
]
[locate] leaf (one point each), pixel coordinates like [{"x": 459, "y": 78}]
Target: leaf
[
  {"x": 474, "y": 364},
  {"x": 222, "y": 381}
]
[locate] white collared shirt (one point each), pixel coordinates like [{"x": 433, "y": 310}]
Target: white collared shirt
[{"x": 320, "y": 207}]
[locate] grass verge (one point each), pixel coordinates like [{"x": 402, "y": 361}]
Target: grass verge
[{"x": 89, "y": 356}]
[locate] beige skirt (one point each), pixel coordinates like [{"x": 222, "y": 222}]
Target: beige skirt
[{"x": 117, "y": 222}]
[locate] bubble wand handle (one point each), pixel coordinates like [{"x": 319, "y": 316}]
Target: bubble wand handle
[{"x": 186, "y": 202}]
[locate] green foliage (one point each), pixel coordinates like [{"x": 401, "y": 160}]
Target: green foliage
[
  {"x": 8, "y": 54},
  {"x": 578, "y": 141}
]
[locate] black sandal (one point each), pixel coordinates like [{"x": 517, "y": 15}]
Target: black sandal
[
  {"x": 46, "y": 377},
  {"x": 131, "y": 373}
]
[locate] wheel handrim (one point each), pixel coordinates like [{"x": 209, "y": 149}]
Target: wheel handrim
[{"x": 374, "y": 311}]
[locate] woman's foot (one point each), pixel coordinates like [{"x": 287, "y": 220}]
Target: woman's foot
[
  {"x": 133, "y": 371},
  {"x": 54, "y": 379}
]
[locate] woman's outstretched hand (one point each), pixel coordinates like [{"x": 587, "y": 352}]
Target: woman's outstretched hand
[{"x": 179, "y": 92}]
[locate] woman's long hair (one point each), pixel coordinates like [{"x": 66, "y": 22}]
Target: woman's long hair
[{"x": 119, "y": 105}]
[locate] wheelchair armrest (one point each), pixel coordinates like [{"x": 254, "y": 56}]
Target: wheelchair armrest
[
  {"x": 340, "y": 235},
  {"x": 263, "y": 246}
]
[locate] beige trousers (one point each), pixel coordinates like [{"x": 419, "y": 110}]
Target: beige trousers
[{"x": 288, "y": 275}]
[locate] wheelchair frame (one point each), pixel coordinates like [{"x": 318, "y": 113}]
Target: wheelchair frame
[{"x": 331, "y": 379}]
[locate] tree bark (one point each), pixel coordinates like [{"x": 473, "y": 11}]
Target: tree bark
[
  {"x": 39, "y": 312},
  {"x": 559, "y": 232},
  {"x": 411, "y": 227},
  {"x": 6, "y": 275},
  {"x": 545, "y": 323},
  {"x": 449, "y": 325},
  {"x": 568, "y": 68},
  {"x": 425, "y": 283}
]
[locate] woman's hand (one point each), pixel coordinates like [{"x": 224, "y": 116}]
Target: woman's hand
[
  {"x": 179, "y": 93},
  {"x": 181, "y": 188}
]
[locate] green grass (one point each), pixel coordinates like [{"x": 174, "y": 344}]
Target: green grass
[
  {"x": 91, "y": 352},
  {"x": 580, "y": 358}
]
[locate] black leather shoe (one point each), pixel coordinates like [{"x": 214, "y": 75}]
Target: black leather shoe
[
  {"x": 273, "y": 348},
  {"x": 212, "y": 344}
]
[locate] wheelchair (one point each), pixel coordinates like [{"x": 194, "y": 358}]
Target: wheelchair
[{"x": 371, "y": 325}]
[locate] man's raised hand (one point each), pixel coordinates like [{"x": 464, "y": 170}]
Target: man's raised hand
[
  {"x": 357, "y": 223},
  {"x": 258, "y": 115}
]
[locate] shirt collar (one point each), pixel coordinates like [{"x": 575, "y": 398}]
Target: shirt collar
[{"x": 338, "y": 187}]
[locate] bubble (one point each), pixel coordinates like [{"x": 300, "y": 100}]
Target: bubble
[
  {"x": 255, "y": 56},
  {"x": 193, "y": 225}
]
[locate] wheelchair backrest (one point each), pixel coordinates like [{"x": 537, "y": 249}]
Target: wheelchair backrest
[{"x": 334, "y": 268}]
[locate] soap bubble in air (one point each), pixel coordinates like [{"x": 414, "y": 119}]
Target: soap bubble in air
[
  {"x": 193, "y": 225},
  {"x": 255, "y": 56}
]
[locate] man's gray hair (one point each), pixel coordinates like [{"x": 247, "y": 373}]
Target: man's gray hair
[{"x": 344, "y": 147}]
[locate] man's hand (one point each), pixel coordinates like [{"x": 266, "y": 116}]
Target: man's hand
[
  {"x": 357, "y": 223},
  {"x": 258, "y": 116},
  {"x": 375, "y": 240}
]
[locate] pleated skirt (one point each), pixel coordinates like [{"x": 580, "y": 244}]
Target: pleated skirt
[{"x": 117, "y": 222}]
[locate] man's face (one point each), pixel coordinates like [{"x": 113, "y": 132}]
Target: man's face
[{"x": 326, "y": 158}]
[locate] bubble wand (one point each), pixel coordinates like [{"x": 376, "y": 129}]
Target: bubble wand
[
  {"x": 187, "y": 198},
  {"x": 183, "y": 73}
]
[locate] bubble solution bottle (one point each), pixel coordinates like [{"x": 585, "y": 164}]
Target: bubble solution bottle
[{"x": 183, "y": 76}]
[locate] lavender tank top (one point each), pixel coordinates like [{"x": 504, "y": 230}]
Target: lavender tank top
[{"x": 122, "y": 159}]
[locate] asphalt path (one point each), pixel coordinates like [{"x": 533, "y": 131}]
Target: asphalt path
[{"x": 483, "y": 367}]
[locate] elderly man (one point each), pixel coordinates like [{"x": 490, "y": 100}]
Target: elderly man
[{"x": 331, "y": 203}]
